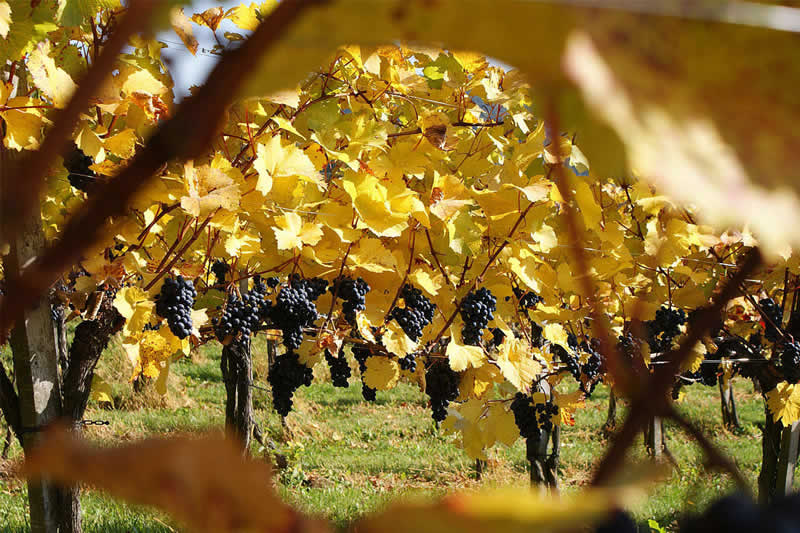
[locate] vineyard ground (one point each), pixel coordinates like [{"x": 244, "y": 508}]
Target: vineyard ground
[{"x": 347, "y": 457}]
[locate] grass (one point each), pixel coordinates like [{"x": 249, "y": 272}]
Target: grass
[{"x": 347, "y": 458}]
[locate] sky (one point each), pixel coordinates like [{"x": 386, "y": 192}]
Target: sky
[{"x": 186, "y": 69}]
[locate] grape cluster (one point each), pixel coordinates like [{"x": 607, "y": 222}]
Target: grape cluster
[
  {"x": 571, "y": 362},
  {"x": 353, "y": 293},
  {"x": 441, "y": 385},
  {"x": 477, "y": 310},
  {"x": 409, "y": 362},
  {"x": 665, "y": 327},
  {"x": 219, "y": 269},
  {"x": 340, "y": 370},
  {"x": 286, "y": 375},
  {"x": 526, "y": 299},
  {"x": 417, "y": 313},
  {"x": 790, "y": 361},
  {"x": 775, "y": 314},
  {"x": 532, "y": 419},
  {"x": 174, "y": 303},
  {"x": 80, "y": 175},
  {"x": 294, "y": 310},
  {"x": 244, "y": 315},
  {"x": 361, "y": 353},
  {"x": 313, "y": 287},
  {"x": 273, "y": 282}
]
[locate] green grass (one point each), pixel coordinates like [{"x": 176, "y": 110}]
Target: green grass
[{"x": 347, "y": 458}]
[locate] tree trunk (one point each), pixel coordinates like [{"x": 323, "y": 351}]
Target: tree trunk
[
  {"x": 544, "y": 466},
  {"x": 654, "y": 438},
  {"x": 35, "y": 359}
]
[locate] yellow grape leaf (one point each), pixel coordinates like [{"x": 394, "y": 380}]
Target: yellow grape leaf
[
  {"x": 383, "y": 207},
  {"x": 396, "y": 341},
  {"x": 276, "y": 160},
  {"x": 184, "y": 476},
  {"x": 448, "y": 196},
  {"x": 370, "y": 254},
  {"x": 143, "y": 83},
  {"x": 465, "y": 235},
  {"x": 23, "y": 123},
  {"x": 54, "y": 82},
  {"x": 567, "y": 405},
  {"x": 535, "y": 192},
  {"x": 692, "y": 363},
  {"x": 5, "y": 19},
  {"x": 122, "y": 144},
  {"x": 242, "y": 244},
  {"x": 501, "y": 425},
  {"x": 556, "y": 334},
  {"x": 784, "y": 403},
  {"x": 382, "y": 373},
  {"x": 154, "y": 350},
  {"x": 425, "y": 281},
  {"x": 291, "y": 232},
  {"x": 209, "y": 189},
  {"x": 210, "y": 17},
  {"x": 134, "y": 304},
  {"x": 590, "y": 210},
  {"x": 516, "y": 362},
  {"x": 183, "y": 28},
  {"x": 461, "y": 356},
  {"x": 90, "y": 144},
  {"x": 245, "y": 17},
  {"x": 101, "y": 391},
  {"x": 364, "y": 327},
  {"x": 476, "y": 382}
]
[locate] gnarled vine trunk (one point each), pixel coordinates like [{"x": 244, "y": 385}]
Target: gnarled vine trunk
[{"x": 237, "y": 374}]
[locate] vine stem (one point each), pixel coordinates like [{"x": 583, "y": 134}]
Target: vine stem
[
  {"x": 479, "y": 277},
  {"x": 411, "y": 244},
  {"x": 436, "y": 259},
  {"x": 336, "y": 286},
  {"x": 599, "y": 325},
  {"x": 180, "y": 253}
]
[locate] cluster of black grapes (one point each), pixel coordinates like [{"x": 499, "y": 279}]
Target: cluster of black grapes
[
  {"x": 295, "y": 309},
  {"x": 592, "y": 368},
  {"x": 244, "y": 315},
  {"x": 417, "y": 313},
  {"x": 409, "y": 362},
  {"x": 174, "y": 303},
  {"x": 665, "y": 327},
  {"x": 286, "y": 375},
  {"x": 532, "y": 419},
  {"x": 361, "y": 353},
  {"x": 340, "y": 370},
  {"x": 775, "y": 315},
  {"x": 573, "y": 365},
  {"x": 220, "y": 270},
  {"x": 527, "y": 299},
  {"x": 353, "y": 293},
  {"x": 80, "y": 175},
  {"x": 441, "y": 386},
  {"x": 790, "y": 361},
  {"x": 477, "y": 310}
]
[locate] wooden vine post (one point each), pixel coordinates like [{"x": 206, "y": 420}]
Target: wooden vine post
[
  {"x": 35, "y": 358},
  {"x": 728, "y": 404},
  {"x": 654, "y": 437},
  {"x": 778, "y": 458}
]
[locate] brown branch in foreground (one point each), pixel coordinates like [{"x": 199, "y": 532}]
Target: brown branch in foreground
[
  {"x": 185, "y": 136},
  {"x": 652, "y": 399},
  {"x": 9, "y": 403},
  {"x": 23, "y": 193},
  {"x": 600, "y": 327}
]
